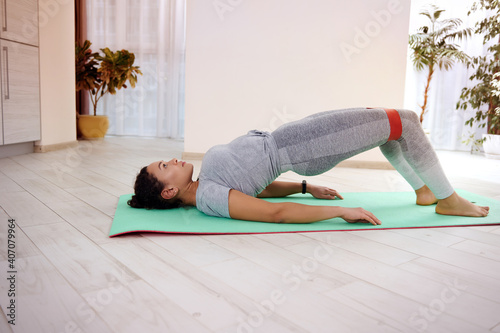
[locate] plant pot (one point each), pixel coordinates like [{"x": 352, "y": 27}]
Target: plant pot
[
  {"x": 492, "y": 146},
  {"x": 93, "y": 127}
]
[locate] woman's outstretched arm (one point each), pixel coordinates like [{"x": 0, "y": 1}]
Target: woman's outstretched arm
[
  {"x": 278, "y": 189},
  {"x": 245, "y": 207}
]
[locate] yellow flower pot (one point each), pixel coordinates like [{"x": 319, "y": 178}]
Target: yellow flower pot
[{"x": 93, "y": 127}]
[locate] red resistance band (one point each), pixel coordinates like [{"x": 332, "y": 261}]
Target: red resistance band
[{"x": 394, "y": 123}]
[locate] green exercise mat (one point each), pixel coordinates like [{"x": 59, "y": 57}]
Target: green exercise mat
[{"x": 395, "y": 210}]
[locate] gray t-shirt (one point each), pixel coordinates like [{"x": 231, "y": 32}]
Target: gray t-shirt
[{"x": 247, "y": 164}]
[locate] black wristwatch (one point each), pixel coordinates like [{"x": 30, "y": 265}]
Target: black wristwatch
[{"x": 304, "y": 187}]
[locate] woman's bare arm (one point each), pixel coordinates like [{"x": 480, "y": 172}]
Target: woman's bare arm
[
  {"x": 245, "y": 207},
  {"x": 278, "y": 189}
]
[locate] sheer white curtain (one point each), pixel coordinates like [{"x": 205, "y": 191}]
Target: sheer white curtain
[
  {"x": 445, "y": 123},
  {"x": 154, "y": 30}
]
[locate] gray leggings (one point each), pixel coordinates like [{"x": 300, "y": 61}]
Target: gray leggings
[{"x": 317, "y": 143}]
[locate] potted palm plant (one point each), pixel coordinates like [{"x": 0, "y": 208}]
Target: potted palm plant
[
  {"x": 432, "y": 47},
  {"x": 484, "y": 96},
  {"x": 99, "y": 75}
]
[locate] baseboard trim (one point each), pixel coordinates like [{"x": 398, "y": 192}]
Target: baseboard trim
[
  {"x": 16, "y": 149},
  {"x": 192, "y": 156},
  {"x": 351, "y": 163},
  {"x": 357, "y": 164},
  {"x": 56, "y": 146}
]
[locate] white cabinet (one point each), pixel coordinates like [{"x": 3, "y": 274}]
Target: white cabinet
[
  {"x": 19, "y": 21},
  {"x": 19, "y": 72},
  {"x": 20, "y": 92},
  {"x": 1, "y": 130}
]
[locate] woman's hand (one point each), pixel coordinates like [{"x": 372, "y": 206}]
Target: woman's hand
[
  {"x": 323, "y": 192},
  {"x": 354, "y": 215}
]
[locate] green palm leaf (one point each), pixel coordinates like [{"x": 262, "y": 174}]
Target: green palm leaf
[{"x": 432, "y": 46}]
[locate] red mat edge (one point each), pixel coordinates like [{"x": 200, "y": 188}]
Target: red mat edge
[{"x": 289, "y": 232}]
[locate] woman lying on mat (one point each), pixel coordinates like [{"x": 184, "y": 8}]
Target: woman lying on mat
[{"x": 234, "y": 176}]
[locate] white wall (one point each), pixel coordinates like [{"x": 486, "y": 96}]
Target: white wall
[
  {"x": 260, "y": 63},
  {"x": 57, "y": 72}
]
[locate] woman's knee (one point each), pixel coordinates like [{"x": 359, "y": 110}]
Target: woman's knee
[
  {"x": 409, "y": 115},
  {"x": 410, "y": 121}
]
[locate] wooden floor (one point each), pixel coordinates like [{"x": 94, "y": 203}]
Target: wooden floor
[{"x": 70, "y": 277}]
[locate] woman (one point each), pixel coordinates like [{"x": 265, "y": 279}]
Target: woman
[{"x": 235, "y": 176}]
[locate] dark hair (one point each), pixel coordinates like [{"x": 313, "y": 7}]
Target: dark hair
[{"x": 147, "y": 190}]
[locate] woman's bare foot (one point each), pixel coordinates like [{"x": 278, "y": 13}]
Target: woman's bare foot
[
  {"x": 456, "y": 205},
  {"x": 425, "y": 197}
]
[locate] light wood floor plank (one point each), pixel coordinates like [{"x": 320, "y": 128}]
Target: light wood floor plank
[
  {"x": 4, "y": 218},
  {"x": 30, "y": 162},
  {"x": 477, "y": 284},
  {"x": 210, "y": 302},
  {"x": 59, "y": 177},
  {"x": 484, "y": 228},
  {"x": 352, "y": 242},
  {"x": 5, "y": 327},
  {"x": 138, "y": 307},
  {"x": 198, "y": 251},
  {"x": 311, "y": 311},
  {"x": 476, "y": 234},
  {"x": 121, "y": 174},
  {"x": 102, "y": 183},
  {"x": 283, "y": 240},
  {"x": 90, "y": 221},
  {"x": 400, "y": 312},
  {"x": 56, "y": 169},
  {"x": 285, "y": 263},
  {"x": 22, "y": 246},
  {"x": 8, "y": 185},
  {"x": 437, "y": 237},
  {"x": 445, "y": 254},
  {"x": 46, "y": 302},
  {"x": 45, "y": 191},
  {"x": 26, "y": 209},
  {"x": 14, "y": 170},
  {"x": 80, "y": 261},
  {"x": 420, "y": 289},
  {"x": 479, "y": 249},
  {"x": 96, "y": 198}
]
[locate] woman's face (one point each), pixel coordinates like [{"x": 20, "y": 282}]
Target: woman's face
[{"x": 173, "y": 173}]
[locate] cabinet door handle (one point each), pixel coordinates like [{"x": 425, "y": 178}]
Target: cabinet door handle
[
  {"x": 5, "y": 51},
  {"x": 4, "y": 21}
]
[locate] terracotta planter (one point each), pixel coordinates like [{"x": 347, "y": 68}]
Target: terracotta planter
[
  {"x": 492, "y": 146},
  {"x": 93, "y": 127}
]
